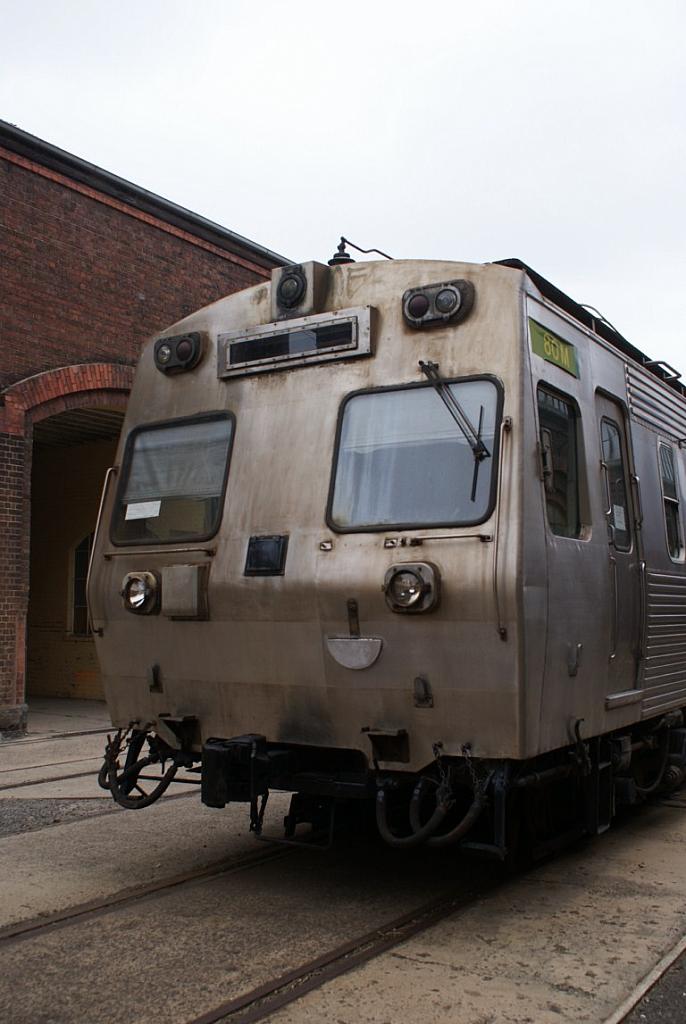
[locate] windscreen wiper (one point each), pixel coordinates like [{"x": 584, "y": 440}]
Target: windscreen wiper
[{"x": 471, "y": 434}]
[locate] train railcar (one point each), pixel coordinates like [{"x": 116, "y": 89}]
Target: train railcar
[{"x": 401, "y": 535}]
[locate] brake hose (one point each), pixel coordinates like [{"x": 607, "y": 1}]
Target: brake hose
[
  {"x": 460, "y": 829},
  {"x": 443, "y": 805}
]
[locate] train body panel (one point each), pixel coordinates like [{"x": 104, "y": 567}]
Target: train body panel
[
  {"x": 265, "y": 642},
  {"x": 549, "y": 609}
]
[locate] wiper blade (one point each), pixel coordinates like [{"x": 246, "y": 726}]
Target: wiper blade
[{"x": 471, "y": 434}]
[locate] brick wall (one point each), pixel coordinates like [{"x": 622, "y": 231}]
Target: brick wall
[
  {"x": 87, "y": 277},
  {"x": 85, "y": 280},
  {"x": 14, "y": 564}
]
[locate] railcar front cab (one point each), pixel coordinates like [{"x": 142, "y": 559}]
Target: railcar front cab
[{"x": 392, "y": 445}]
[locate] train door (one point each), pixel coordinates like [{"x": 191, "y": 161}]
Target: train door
[{"x": 623, "y": 554}]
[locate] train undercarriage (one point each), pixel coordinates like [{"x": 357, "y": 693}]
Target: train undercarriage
[{"x": 497, "y": 808}]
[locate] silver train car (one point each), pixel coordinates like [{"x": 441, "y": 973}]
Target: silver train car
[{"x": 398, "y": 536}]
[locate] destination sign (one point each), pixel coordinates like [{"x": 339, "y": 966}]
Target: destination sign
[{"x": 553, "y": 349}]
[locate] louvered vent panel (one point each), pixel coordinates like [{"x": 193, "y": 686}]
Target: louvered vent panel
[
  {"x": 656, "y": 405},
  {"x": 664, "y": 671}
]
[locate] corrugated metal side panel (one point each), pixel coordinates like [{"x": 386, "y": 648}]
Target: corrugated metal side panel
[
  {"x": 664, "y": 670},
  {"x": 655, "y": 404}
]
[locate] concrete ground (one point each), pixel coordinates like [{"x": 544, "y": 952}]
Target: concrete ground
[
  {"x": 49, "y": 716},
  {"x": 572, "y": 941}
]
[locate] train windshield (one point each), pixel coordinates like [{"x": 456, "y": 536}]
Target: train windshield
[
  {"x": 404, "y": 462},
  {"x": 174, "y": 480}
]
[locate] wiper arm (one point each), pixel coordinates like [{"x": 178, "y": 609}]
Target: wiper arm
[{"x": 471, "y": 434}]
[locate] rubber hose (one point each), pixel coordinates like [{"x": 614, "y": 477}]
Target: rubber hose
[
  {"x": 464, "y": 826},
  {"x": 415, "y": 804},
  {"x": 460, "y": 829},
  {"x": 416, "y": 838},
  {"x": 648, "y": 790},
  {"x": 133, "y": 803}
]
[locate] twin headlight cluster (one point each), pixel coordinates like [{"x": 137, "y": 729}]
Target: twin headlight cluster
[{"x": 182, "y": 352}]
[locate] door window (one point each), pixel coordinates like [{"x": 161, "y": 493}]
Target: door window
[
  {"x": 558, "y": 421},
  {"x": 670, "y": 497},
  {"x": 615, "y": 468}
]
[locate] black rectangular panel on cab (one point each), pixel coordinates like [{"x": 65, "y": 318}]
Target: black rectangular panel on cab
[{"x": 266, "y": 556}]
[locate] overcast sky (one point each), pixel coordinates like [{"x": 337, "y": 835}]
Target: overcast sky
[{"x": 553, "y": 132}]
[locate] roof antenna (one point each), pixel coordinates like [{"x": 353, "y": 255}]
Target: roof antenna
[{"x": 341, "y": 256}]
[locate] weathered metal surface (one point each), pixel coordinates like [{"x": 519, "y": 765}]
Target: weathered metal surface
[{"x": 495, "y": 651}]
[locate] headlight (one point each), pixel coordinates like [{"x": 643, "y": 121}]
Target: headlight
[
  {"x": 406, "y": 588},
  {"x": 412, "y": 587},
  {"x": 140, "y": 591}
]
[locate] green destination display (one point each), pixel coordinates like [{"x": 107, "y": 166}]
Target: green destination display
[{"x": 546, "y": 344}]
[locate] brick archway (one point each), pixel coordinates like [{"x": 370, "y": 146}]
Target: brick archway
[
  {"x": 68, "y": 387},
  {"x": 86, "y": 385}
]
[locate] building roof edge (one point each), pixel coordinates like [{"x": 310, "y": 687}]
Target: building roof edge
[{"x": 31, "y": 147}]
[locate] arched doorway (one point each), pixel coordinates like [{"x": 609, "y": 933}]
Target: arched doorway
[
  {"x": 71, "y": 453},
  {"x": 67, "y": 480}
]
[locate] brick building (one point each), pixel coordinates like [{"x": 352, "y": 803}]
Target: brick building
[{"x": 91, "y": 266}]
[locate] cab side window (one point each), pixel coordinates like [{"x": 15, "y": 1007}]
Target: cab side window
[
  {"x": 670, "y": 498},
  {"x": 558, "y": 423}
]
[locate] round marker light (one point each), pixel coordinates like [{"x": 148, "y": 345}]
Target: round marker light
[
  {"x": 406, "y": 588},
  {"x": 418, "y": 306},
  {"x": 447, "y": 300},
  {"x": 290, "y": 290},
  {"x": 139, "y": 592},
  {"x": 184, "y": 349},
  {"x": 164, "y": 353}
]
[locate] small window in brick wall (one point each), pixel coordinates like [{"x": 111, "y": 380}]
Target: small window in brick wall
[{"x": 81, "y": 557}]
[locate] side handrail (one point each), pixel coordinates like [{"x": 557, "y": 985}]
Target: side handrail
[
  {"x": 643, "y": 610},
  {"x": 643, "y": 595},
  {"x": 505, "y": 428},
  {"x": 105, "y": 488},
  {"x": 636, "y": 484},
  {"x": 614, "y": 608}
]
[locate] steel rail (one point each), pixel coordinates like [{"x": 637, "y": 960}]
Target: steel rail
[
  {"x": 51, "y": 764},
  {"x": 50, "y": 778},
  {"x": 266, "y": 999},
  {"x": 261, "y": 1002},
  {"x": 39, "y": 926},
  {"x": 647, "y": 983},
  {"x": 50, "y": 736}
]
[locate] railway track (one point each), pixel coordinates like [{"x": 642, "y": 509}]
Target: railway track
[
  {"x": 260, "y": 1002},
  {"x": 96, "y": 908},
  {"x": 48, "y": 778},
  {"x": 266, "y": 999},
  {"x": 47, "y": 764},
  {"x": 285, "y": 987}
]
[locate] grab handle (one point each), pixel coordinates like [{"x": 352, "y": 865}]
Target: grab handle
[
  {"x": 105, "y": 488},
  {"x": 614, "y": 609}
]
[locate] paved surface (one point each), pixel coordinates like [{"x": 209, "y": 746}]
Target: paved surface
[
  {"x": 17, "y": 815},
  {"x": 48, "y": 716},
  {"x": 569, "y": 941}
]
